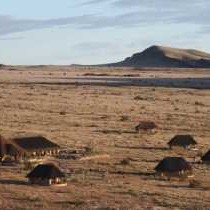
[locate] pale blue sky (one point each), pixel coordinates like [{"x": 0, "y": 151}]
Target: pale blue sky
[{"x": 98, "y": 31}]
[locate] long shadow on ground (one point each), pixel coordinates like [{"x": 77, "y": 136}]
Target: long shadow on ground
[
  {"x": 143, "y": 147},
  {"x": 13, "y": 182}
]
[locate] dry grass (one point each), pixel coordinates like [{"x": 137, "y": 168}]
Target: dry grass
[{"x": 103, "y": 118}]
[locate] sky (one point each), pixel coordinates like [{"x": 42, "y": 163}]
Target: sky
[{"x": 63, "y": 32}]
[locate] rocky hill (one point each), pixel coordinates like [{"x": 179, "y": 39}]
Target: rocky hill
[{"x": 159, "y": 56}]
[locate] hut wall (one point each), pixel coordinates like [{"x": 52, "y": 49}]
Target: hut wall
[
  {"x": 60, "y": 180},
  {"x": 175, "y": 174},
  {"x": 40, "y": 181},
  {"x": 177, "y": 147}
]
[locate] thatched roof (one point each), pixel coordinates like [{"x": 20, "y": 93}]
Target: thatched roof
[
  {"x": 182, "y": 140},
  {"x": 206, "y": 157},
  {"x": 46, "y": 171},
  {"x": 34, "y": 143},
  {"x": 173, "y": 164},
  {"x": 30, "y": 143}
]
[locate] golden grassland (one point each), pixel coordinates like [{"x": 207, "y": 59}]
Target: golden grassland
[{"x": 103, "y": 117}]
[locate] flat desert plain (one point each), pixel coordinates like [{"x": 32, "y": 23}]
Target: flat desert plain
[{"x": 99, "y": 108}]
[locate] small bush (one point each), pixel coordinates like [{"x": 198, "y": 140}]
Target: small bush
[
  {"x": 125, "y": 161},
  {"x": 124, "y": 118},
  {"x": 138, "y": 98},
  {"x": 145, "y": 126},
  {"x": 197, "y": 103},
  {"x": 62, "y": 113},
  {"x": 74, "y": 203}
]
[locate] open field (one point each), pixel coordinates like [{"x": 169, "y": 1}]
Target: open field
[{"x": 61, "y": 104}]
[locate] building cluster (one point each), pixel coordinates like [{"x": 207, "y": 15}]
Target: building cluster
[
  {"x": 178, "y": 166},
  {"x": 32, "y": 148},
  {"x": 23, "y": 148}
]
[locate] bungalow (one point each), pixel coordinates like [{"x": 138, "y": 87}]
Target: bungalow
[
  {"x": 24, "y": 147},
  {"x": 47, "y": 174},
  {"x": 184, "y": 141},
  {"x": 174, "y": 167}
]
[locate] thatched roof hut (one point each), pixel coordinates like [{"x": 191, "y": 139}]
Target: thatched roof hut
[
  {"x": 32, "y": 143},
  {"x": 46, "y": 174},
  {"x": 182, "y": 141},
  {"x": 26, "y": 145},
  {"x": 173, "y": 166},
  {"x": 206, "y": 157}
]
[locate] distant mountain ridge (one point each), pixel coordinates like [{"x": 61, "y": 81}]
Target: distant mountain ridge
[{"x": 160, "y": 56}]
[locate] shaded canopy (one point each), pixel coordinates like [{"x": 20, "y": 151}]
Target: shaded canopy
[
  {"x": 182, "y": 140},
  {"x": 206, "y": 157},
  {"x": 46, "y": 171},
  {"x": 173, "y": 164}
]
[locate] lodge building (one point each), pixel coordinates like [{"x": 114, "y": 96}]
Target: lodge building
[{"x": 26, "y": 146}]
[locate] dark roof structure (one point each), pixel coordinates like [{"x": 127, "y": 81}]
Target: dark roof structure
[
  {"x": 173, "y": 164},
  {"x": 46, "y": 171},
  {"x": 206, "y": 157},
  {"x": 182, "y": 140},
  {"x": 31, "y": 143}
]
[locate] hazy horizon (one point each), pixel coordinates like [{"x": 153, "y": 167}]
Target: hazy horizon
[{"x": 94, "y": 32}]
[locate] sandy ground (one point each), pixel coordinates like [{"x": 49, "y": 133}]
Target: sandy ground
[{"x": 55, "y": 102}]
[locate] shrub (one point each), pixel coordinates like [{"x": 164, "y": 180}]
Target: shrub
[
  {"x": 124, "y": 118},
  {"x": 138, "y": 98},
  {"x": 125, "y": 161},
  {"x": 145, "y": 126},
  {"x": 62, "y": 113}
]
